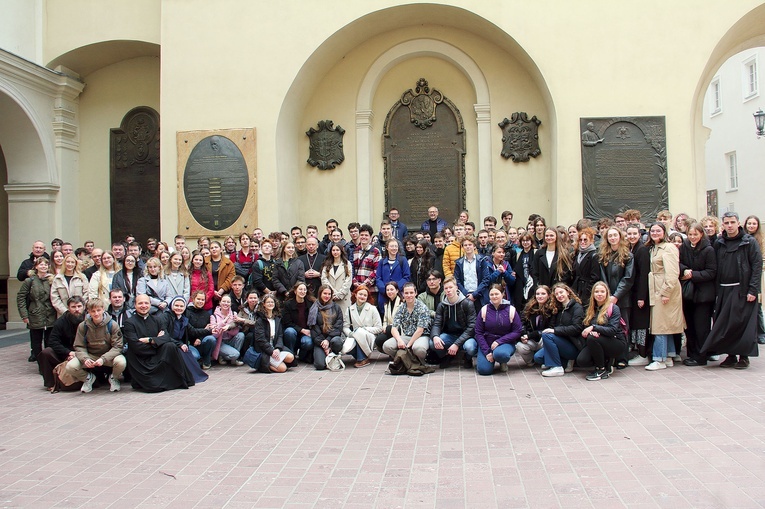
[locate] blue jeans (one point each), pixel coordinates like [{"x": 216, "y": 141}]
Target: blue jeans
[
  {"x": 501, "y": 354},
  {"x": 229, "y": 348},
  {"x": 203, "y": 351},
  {"x": 663, "y": 347},
  {"x": 294, "y": 341},
  {"x": 470, "y": 347},
  {"x": 358, "y": 353},
  {"x": 558, "y": 350}
]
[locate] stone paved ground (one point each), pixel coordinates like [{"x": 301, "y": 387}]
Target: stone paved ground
[{"x": 681, "y": 438}]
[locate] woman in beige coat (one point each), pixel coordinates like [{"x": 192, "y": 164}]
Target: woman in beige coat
[
  {"x": 665, "y": 297},
  {"x": 337, "y": 273},
  {"x": 70, "y": 282}
]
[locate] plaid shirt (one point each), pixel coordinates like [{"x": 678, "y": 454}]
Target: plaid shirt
[
  {"x": 407, "y": 322},
  {"x": 365, "y": 267}
]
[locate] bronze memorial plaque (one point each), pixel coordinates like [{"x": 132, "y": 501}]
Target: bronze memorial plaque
[
  {"x": 424, "y": 154},
  {"x": 624, "y": 165},
  {"x": 134, "y": 172},
  {"x": 218, "y": 184}
]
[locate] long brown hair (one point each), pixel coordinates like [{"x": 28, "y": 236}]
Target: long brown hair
[
  {"x": 622, "y": 254},
  {"x": 535, "y": 308},
  {"x": 564, "y": 260},
  {"x": 330, "y": 260}
]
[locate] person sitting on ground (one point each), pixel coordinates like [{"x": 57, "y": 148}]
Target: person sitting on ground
[
  {"x": 325, "y": 319},
  {"x": 61, "y": 342},
  {"x": 98, "y": 343},
  {"x": 227, "y": 336},
  {"x": 297, "y": 334},
  {"x": 497, "y": 330},
  {"x": 605, "y": 340},
  {"x": 267, "y": 335},
  {"x": 453, "y": 328},
  {"x": 364, "y": 326},
  {"x": 410, "y": 322},
  {"x": 154, "y": 360},
  {"x": 563, "y": 341},
  {"x": 187, "y": 337},
  {"x": 539, "y": 315}
]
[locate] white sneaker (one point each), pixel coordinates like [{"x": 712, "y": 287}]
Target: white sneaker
[
  {"x": 569, "y": 366},
  {"x": 114, "y": 384},
  {"x": 554, "y": 371},
  {"x": 237, "y": 362},
  {"x": 503, "y": 367},
  {"x": 655, "y": 366},
  {"x": 669, "y": 362},
  {"x": 713, "y": 358},
  {"x": 87, "y": 385},
  {"x": 677, "y": 358},
  {"x": 639, "y": 361}
]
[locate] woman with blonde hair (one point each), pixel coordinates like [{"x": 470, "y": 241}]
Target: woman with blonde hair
[
  {"x": 753, "y": 227},
  {"x": 101, "y": 280},
  {"x": 154, "y": 284},
  {"x": 69, "y": 282},
  {"x": 177, "y": 277},
  {"x": 602, "y": 332},
  {"x": 617, "y": 268}
]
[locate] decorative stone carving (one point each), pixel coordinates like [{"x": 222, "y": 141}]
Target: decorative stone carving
[
  {"x": 325, "y": 149},
  {"x": 424, "y": 164},
  {"x": 520, "y": 137},
  {"x": 624, "y": 166},
  {"x": 422, "y": 104}
]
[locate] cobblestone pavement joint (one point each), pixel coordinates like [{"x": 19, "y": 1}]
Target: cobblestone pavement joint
[{"x": 679, "y": 438}]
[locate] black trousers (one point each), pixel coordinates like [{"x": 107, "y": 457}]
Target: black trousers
[
  {"x": 698, "y": 323},
  {"x": 37, "y": 337},
  {"x": 601, "y": 347}
]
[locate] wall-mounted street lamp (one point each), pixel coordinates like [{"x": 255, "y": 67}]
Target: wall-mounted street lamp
[{"x": 759, "y": 122}]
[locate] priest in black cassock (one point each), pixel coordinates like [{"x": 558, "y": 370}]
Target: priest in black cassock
[{"x": 154, "y": 359}]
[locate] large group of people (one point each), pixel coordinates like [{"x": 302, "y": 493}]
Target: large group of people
[{"x": 599, "y": 295}]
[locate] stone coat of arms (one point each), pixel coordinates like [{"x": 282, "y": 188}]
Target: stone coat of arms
[
  {"x": 520, "y": 137},
  {"x": 325, "y": 148}
]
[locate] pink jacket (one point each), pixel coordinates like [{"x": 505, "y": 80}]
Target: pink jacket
[{"x": 217, "y": 319}]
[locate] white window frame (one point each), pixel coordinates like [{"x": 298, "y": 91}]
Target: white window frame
[
  {"x": 731, "y": 177},
  {"x": 715, "y": 97},
  {"x": 750, "y": 72}
]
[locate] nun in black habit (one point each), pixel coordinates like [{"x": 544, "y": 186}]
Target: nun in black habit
[{"x": 154, "y": 358}]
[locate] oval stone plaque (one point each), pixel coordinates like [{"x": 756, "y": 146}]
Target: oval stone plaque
[{"x": 216, "y": 183}]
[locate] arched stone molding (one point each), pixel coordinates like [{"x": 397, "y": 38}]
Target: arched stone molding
[
  {"x": 364, "y": 143},
  {"x": 39, "y": 136},
  {"x": 747, "y": 33}
]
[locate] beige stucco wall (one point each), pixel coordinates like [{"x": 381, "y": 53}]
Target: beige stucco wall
[
  {"x": 21, "y": 28},
  {"x": 72, "y": 24},
  {"x": 109, "y": 94},
  {"x": 616, "y": 59}
]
